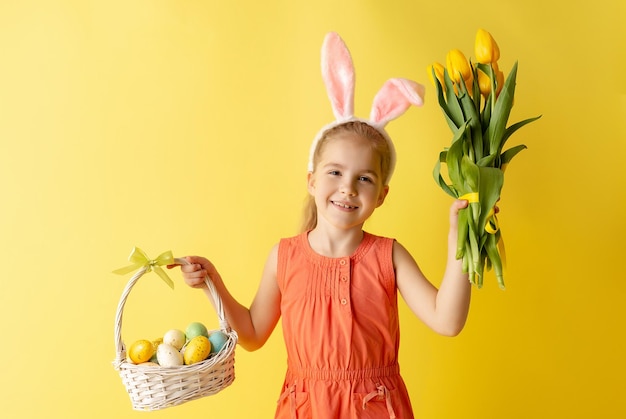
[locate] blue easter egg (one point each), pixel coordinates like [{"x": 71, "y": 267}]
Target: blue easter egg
[{"x": 218, "y": 339}]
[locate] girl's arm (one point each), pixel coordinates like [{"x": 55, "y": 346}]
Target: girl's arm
[
  {"x": 445, "y": 309},
  {"x": 254, "y": 325}
]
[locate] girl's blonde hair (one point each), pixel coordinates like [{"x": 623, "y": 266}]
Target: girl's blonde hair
[{"x": 362, "y": 129}]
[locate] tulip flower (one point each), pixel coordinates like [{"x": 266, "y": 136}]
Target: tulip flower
[
  {"x": 484, "y": 80},
  {"x": 476, "y": 158},
  {"x": 436, "y": 68},
  {"x": 458, "y": 67},
  {"x": 485, "y": 48}
]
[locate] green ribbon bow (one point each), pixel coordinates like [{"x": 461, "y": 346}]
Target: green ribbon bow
[{"x": 139, "y": 260}]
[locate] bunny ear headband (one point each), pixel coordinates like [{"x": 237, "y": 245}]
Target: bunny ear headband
[{"x": 391, "y": 101}]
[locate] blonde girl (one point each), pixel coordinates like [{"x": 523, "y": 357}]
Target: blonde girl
[{"x": 338, "y": 284}]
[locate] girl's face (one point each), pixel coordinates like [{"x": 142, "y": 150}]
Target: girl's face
[{"x": 347, "y": 182}]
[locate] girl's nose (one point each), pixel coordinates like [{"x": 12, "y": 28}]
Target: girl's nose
[{"x": 348, "y": 188}]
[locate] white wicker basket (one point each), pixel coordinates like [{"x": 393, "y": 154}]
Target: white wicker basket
[{"x": 156, "y": 387}]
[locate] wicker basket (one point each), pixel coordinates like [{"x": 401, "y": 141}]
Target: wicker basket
[{"x": 155, "y": 387}]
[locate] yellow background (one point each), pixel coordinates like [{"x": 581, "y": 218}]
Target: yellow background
[{"x": 185, "y": 125}]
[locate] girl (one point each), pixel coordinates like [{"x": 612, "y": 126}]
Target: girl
[{"x": 336, "y": 283}]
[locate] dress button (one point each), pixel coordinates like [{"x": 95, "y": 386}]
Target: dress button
[
  {"x": 342, "y": 262},
  {"x": 344, "y": 301},
  {"x": 344, "y": 278}
]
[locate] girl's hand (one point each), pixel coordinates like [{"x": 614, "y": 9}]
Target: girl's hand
[
  {"x": 196, "y": 271},
  {"x": 456, "y": 206}
]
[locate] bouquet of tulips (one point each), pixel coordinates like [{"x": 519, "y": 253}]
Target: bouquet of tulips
[{"x": 476, "y": 101}]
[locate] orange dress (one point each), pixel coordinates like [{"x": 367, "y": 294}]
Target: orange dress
[{"x": 340, "y": 325}]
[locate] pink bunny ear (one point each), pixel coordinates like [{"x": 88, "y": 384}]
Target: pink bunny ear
[
  {"x": 338, "y": 75},
  {"x": 394, "y": 98}
]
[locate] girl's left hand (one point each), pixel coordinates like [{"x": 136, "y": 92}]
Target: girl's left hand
[{"x": 458, "y": 205}]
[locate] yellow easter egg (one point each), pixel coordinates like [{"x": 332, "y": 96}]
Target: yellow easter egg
[
  {"x": 140, "y": 351},
  {"x": 196, "y": 350}
]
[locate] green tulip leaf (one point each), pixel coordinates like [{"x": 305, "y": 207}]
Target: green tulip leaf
[
  {"x": 493, "y": 252},
  {"x": 506, "y": 157},
  {"x": 510, "y": 130},
  {"x": 471, "y": 175},
  {"x": 443, "y": 105},
  {"x": 449, "y": 189},
  {"x": 488, "y": 161},
  {"x": 475, "y": 132},
  {"x": 485, "y": 118},
  {"x": 491, "y": 182},
  {"x": 453, "y": 163},
  {"x": 452, "y": 102},
  {"x": 501, "y": 111}
]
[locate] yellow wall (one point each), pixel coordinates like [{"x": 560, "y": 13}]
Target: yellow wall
[{"x": 185, "y": 125}]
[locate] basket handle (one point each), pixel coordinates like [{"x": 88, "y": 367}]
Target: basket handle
[{"x": 120, "y": 349}]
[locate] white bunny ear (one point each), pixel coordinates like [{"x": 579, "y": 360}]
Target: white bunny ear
[
  {"x": 338, "y": 75},
  {"x": 394, "y": 98}
]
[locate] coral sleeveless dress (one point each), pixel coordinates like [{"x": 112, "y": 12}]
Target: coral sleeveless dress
[{"x": 340, "y": 325}]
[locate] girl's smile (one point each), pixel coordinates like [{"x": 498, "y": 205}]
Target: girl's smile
[{"x": 344, "y": 205}]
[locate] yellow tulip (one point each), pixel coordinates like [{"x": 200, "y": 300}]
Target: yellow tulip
[
  {"x": 458, "y": 67},
  {"x": 484, "y": 81},
  {"x": 438, "y": 67},
  {"x": 485, "y": 48}
]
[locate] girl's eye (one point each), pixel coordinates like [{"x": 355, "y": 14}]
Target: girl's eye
[
  {"x": 365, "y": 179},
  {"x": 334, "y": 173}
]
